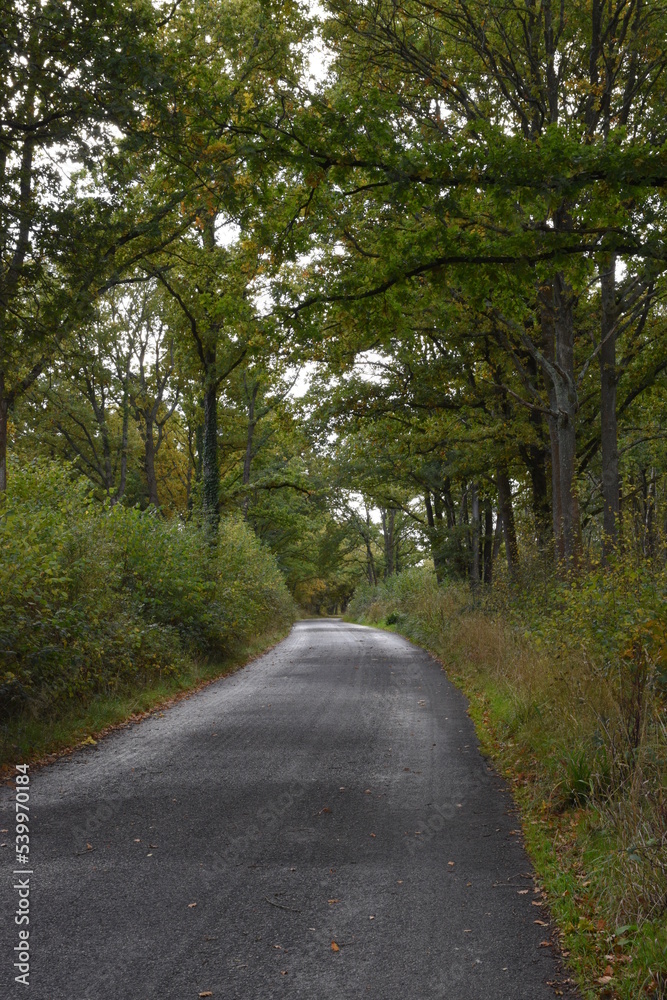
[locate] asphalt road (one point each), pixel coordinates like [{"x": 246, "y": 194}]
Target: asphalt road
[{"x": 331, "y": 791}]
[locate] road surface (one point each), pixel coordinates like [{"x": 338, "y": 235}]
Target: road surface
[{"x": 320, "y": 824}]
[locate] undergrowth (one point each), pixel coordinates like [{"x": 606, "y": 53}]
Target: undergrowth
[
  {"x": 97, "y": 603},
  {"x": 567, "y": 689}
]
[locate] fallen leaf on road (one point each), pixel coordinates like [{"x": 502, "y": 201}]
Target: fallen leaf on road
[
  {"x": 190, "y": 905},
  {"x": 206, "y": 993},
  {"x": 545, "y": 944},
  {"x": 325, "y": 810},
  {"x": 451, "y": 864},
  {"x": 372, "y": 834},
  {"x": 542, "y": 923},
  {"x": 334, "y": 946},
  {"x": 89, "y": 847},
  {"x": 284, "y": 972},
  {"x": 332, "y": 901},
  {"x": 537, "y": 902},
  {"x": 137, "y": 840},
  {"x": 522, "y": 892},
  {"x": 367, "y": 792}
]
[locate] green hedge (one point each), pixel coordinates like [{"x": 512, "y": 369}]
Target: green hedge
[{"x": 92, "y": 597}]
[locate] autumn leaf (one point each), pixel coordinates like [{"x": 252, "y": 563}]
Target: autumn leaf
[
  {"x": 206, "y": 993},
  {"x": 334, "y": 946},
  {"x": 191, "y": 905}
]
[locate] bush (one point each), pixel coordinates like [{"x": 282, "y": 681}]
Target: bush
[{"x": 92, "y": 598}]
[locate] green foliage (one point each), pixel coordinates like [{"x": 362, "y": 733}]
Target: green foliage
[{"x": 93, "y": 597}]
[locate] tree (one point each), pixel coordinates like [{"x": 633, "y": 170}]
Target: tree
[
  {"x": 486, "y": 140},
  {"x": 77, "y": 76}
]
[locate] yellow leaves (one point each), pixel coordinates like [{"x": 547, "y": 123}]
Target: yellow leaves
[
  {"x": 334, "y": 946},
  {"x": 315, "y": 178}
]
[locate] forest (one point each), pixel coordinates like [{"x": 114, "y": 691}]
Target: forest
[{"x": 351, "y": 308}]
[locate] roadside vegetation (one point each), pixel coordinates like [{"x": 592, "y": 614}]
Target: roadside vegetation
[
  {"x": 106, "y": 610},
  {"x": 567, "y": 684}
]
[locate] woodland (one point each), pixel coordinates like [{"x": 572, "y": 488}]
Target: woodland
[{"x": 353, "y": 308}]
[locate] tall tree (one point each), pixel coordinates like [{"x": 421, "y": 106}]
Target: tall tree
[{"x": 75, "y": 83}]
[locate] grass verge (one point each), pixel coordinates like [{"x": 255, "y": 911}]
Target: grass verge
[{"x": 33, "y": 739}]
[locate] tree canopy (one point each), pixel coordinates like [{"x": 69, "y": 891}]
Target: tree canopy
[{"x": 401, "y": 304}]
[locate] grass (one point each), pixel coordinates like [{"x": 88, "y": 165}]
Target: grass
[
  {"x": 594, "y": 811},
  {"x": 32, "y": 738}
]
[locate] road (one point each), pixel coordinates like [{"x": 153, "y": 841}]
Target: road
[{"x": 320, "y": 824}]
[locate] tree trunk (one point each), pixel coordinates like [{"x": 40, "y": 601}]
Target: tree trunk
[
  {"x": 388, "y": 522},
  {"x": 210, "y": 471},
  {"x": 497, "y": 535},
  {"x": 609, "y": 432},
  {"x": 372, "y": 575},
  {"x": 123, "y": 451},
  {"x": 557, "y": 304},
  {"x": 507, "y": 517},
  {"x": 435, "y": 538},
  {"x": 149, "y": 462},
  {"x": 475, "y": 533},
  {"x": 488, "y": 543},
  {"x": 247, "y": 460}
]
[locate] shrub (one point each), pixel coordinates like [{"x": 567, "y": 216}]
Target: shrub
[{"x": 92, "y": 598}]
